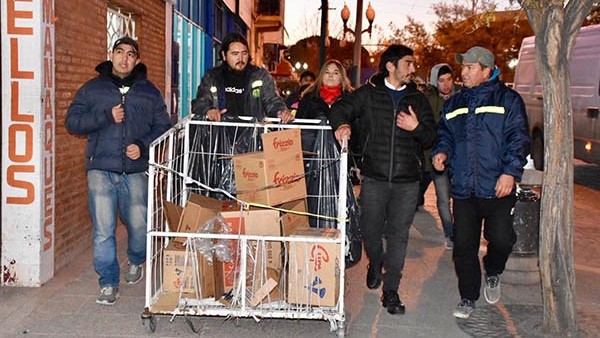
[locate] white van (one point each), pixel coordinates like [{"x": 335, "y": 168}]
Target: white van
[{"x": 585, "y": 93}]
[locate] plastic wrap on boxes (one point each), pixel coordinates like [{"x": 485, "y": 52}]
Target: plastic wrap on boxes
[
  {"x": 211, "y": 151},
  {"x": 221, "y": 247}
]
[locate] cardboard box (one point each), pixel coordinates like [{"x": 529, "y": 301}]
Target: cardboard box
[
  {"x": 264, "y": 288},
  {"x": 291, "y": 221},
  {"x": 261, "y": 222},
  {"x": 282, "y": 144},
  {"x": 173, "y": 214},
  {"x": 265, "y": 181},
  {"x": 314, "y": 270},
  {"x": 174, "y": 267},
  {"x": 275, "y": 175},
  {"x": 198, "y": 210}
]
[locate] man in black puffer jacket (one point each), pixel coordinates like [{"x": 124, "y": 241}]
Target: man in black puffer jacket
[
  {"x": 121, "y": 113},
  {"x": 397, "y": 123}
]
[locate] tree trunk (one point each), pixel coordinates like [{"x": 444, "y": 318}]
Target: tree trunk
[
  {"x": 556, "y": 24},
  {"x": 556, "y": 226}
]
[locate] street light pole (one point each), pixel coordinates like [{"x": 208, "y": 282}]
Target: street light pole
[
  {"x": 324, "y": 32},
  {"x": 357, "y": 43},
  {"x": 357, "y": 32}
]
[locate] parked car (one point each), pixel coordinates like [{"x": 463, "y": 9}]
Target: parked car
[{"x": 585, "y": 94}]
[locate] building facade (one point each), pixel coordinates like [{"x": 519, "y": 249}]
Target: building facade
[{"x": 49, "y": 48}]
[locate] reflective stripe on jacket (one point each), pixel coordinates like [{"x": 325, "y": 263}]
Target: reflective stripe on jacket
[{"x": 260, "y": 95}]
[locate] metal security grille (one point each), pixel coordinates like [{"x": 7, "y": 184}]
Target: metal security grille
[{"x": 119, "y": 24}]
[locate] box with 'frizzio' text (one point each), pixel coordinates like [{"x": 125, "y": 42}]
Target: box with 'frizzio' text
[{"x": 275, "y": 175}]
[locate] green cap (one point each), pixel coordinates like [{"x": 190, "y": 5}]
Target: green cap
[{"x": 477, "y": 55}]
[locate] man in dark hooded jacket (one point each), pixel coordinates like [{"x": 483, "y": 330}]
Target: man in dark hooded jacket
[
  {"x": 441, "y": 87},
  {"x": 121, "y": 112},
  {"x": 397, "y": 123}
]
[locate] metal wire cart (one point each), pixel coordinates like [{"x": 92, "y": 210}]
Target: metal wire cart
[{"x": 250, "y": 259}]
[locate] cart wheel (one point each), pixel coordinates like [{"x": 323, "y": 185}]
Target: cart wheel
[
  {"x": 341, "y": 329},
  {"x": 149, "y": 323}
]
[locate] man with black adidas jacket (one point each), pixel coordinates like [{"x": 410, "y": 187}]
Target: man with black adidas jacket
[
  {"x": 398, "y": 123},
  {"x": 238, "y": 88}
]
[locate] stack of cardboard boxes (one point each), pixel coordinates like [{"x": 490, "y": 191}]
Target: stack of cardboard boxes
[
  {"x": 273, "y": 177},
  {"x": 196, "y": 275}
]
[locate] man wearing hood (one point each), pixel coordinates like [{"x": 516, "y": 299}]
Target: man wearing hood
[
  {"x": 441, "y": 83},
  {"x": 441, "y": 87},
  {"x": 237, "y": 88},
  {"x": 397, "y": 123},
  {"x": 121, "y": 112},
  {"x": 483, "y": 141}
]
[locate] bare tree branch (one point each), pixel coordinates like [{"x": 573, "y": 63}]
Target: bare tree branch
[{"x": 575, "y": 13}]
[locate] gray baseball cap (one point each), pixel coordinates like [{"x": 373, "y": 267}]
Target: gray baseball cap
[{"x": 477, "y": 54}]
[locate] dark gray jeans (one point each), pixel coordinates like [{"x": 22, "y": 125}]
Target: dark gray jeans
[{"x": 387, "y": 209}]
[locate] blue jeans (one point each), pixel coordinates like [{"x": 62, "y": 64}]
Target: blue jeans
[
  {"x": 109, "y": 192},
  {"x": 442, "y": 193},
  {"x": 387, "y": 209}
]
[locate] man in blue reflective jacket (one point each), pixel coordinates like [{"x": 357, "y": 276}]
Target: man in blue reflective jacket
[
  {"x": 121, "y": 112},
  {"x": 483, "y": 140}
]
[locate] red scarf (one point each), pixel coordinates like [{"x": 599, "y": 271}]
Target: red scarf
[{"x": 330, "y": 94}]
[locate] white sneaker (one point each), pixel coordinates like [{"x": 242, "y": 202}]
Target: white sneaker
[
  {"x": 464, "y": 308},
  {"x": 492, "y": 289}
]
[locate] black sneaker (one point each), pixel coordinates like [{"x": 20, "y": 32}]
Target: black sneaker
[
  {"x": 392, "y": 302},
  {"x": 373, "y": 277}
]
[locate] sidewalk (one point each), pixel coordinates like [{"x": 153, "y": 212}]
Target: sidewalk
[{"x": 66, "y": 306}]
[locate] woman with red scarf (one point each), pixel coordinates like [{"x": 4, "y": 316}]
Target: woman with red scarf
[
  {"x": 329, "y": 88},
  {"x": 331, "y": 85}
]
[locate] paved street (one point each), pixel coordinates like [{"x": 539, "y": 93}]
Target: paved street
[{"x": 66, "y": 305}]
